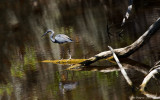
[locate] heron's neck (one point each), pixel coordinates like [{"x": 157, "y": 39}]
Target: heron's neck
[{"x": 51, "y": 37}]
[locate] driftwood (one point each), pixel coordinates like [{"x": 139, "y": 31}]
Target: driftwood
[
  {"x": 153, "y": 71},
  {"x": 150, "y": 75},
  {"x": 126, "y": 63},
  {"x": 123, "y": 52},
  {"x": 121, "y": 67}
]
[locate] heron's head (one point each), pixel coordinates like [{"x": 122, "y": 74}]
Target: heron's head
[{"x": 49, "y": 30}]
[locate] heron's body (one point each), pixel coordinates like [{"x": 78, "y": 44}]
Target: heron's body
[{"x": 59, "y": 38}]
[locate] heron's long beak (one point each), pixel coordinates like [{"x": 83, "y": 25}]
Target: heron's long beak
[{"x": 45, "y": 33}]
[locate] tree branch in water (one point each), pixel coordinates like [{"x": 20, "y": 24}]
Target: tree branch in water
[
  {"x": 150, "y": 75},
  {"x": 121, "y": 67},
  {"x": 126, "y": 51}
]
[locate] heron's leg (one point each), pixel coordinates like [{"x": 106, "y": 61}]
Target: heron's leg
[
  {"x": 70, "y": 56},
  {"x": 69, "y": 53}
]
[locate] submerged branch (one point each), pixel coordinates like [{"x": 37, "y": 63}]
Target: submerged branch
[{"x": 126, "y": 51}]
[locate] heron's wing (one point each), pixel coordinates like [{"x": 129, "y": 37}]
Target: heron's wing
[{"x": 62, "y": 38}]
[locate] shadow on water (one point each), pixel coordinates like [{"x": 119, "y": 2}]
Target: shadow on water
[{"x": 23, "y": 76}]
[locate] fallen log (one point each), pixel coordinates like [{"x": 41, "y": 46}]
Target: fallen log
[{"x": 126, "y": 51}]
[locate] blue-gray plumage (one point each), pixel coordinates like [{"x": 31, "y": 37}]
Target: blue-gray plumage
[{"x": 59, "y": 38}]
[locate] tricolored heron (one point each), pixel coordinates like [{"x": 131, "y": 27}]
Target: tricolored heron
[{"x": 59, "y": 38}]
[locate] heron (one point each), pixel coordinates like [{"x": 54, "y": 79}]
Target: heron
[{"x": 59, "y": 38}]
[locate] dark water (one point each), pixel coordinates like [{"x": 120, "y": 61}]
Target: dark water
[{"x": 23, "y": 76}]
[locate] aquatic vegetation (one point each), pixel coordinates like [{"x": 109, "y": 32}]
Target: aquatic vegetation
[
  {"x": 64, "y": 61},
  {"x": 73, "y": 61}
]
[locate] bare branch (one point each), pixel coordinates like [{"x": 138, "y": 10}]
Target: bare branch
[
  {"x": 126, "y": 51},
  {"x": 149, "y": 76},
  {"x": 121, "y": 68}
]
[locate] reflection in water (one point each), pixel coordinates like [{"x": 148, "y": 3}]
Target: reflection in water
[
  {"x": 67, "y": 82},
  {"x": 67, "y": 86},
  {"x": 20, "y": 66},
  {"x": 85, "y": 21}
]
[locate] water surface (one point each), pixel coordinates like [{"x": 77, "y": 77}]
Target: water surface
[{"x": 23, "y": 76}]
